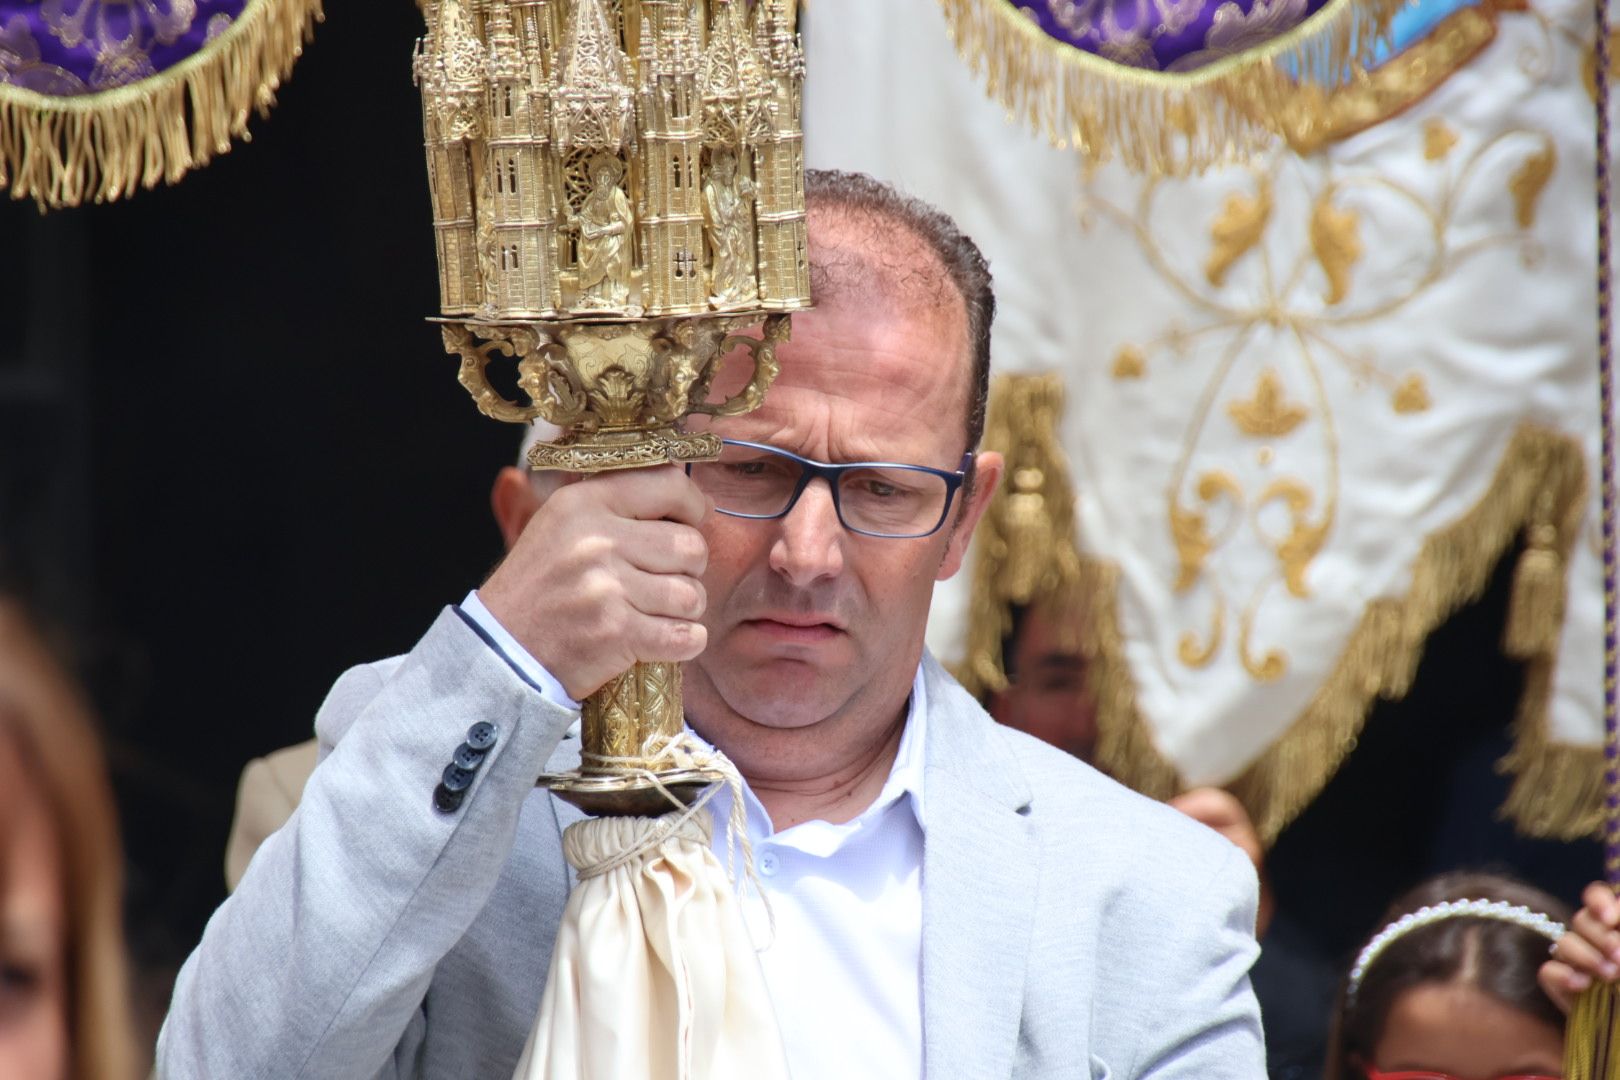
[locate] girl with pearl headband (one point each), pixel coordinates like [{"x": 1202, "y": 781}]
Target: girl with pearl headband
[{"x": 1447, "y": 988}]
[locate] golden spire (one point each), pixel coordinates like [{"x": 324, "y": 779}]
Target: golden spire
[
  {"x": 736, "y": 84},
  {"x": 592, "y": 94}
]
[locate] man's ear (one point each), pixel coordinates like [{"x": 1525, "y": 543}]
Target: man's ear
[
  {"x": 987, "y": 469},
  {"x": 513, "y": 501}
]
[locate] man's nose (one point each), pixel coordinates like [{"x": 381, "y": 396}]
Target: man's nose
[{"x": 810, "y": 544}]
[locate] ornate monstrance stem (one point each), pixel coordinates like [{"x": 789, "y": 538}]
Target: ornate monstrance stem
[
  {"x": 622, "y": 389},
  {"x": 618, "y": 200}
]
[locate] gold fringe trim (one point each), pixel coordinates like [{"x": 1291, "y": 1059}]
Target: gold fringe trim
[
  {"x": 62, "y": 151},
  {"x": 1557, "y": 790},
  {"x": 1592, "y": 1035},
  {"x": 1159, "y": 122},
  {"x": 1557, "y": 786}
]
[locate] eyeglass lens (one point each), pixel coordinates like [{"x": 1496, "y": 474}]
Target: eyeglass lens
[{"x": 888, "y": 501}]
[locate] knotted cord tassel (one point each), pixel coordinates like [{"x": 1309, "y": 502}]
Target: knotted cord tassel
[
  {"x": 1536, "y": 608},
  {"x": 1592, "y": 1037}
]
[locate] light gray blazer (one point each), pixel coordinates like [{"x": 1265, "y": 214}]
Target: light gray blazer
[{"x": 1070, "y": 927}]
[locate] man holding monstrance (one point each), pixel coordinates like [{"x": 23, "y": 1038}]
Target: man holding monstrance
[{"x": 935, "y": 894}]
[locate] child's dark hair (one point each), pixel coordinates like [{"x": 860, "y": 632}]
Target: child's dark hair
[{"x": 1497, "y": 957}]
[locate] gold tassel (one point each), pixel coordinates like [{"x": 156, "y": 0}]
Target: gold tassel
[
  {"x": 1592, "y": 1036},
  {"x": 63, "y": 151},
  {"x": 1536, "y": 609},
  {"x": 1025, "y": 549},
  {"x": 1160, "y": 122}
]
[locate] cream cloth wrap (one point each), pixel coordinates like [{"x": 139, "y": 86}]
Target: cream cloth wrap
[{"x": 653, "y": 973}]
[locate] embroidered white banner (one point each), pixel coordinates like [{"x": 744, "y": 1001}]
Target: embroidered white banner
[{"x": 1312, "y": 399}]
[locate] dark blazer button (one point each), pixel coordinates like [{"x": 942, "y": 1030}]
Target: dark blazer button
[
  {"x": 446, "y": 801},
  {"x": 481, "y": 736},
  {"x": 467, "y": 758},
  {"x": 456, "y": 779}
]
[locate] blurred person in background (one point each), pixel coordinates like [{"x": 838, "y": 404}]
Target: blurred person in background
[
  {"x": 1049, "y": 695},
  {"x": 1447, "y": 988},
  {"x": 272, "y": 785},
  {"x": 64, "y": 988}
]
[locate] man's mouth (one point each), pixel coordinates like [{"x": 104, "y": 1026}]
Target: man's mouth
[{"x": 800, "y": 628}]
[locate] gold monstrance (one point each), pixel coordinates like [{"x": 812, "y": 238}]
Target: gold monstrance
[{"x": 618, "y": 193}]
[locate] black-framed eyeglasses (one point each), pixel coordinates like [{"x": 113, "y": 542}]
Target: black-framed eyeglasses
[{"x": 873, "y": 498}]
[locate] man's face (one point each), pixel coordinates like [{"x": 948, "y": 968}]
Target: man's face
[
  {"x": 811, "y": 626},
  {"x": 1050, "y": 697}
]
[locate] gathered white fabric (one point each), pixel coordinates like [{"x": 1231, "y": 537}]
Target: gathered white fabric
[{"x": 653, "y": 973}]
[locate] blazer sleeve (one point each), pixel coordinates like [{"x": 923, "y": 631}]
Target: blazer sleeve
[
  {"x": 1212, "y": 1030},
  {"x": 318, "y": 964},
  {"x": 265, "y": 798}
]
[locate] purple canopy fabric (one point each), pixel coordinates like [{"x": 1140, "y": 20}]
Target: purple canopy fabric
[
  {"x": 1166, "y": 35},
  {"x": 69, "y": 47},
  {"x": 99, "y": 98}
]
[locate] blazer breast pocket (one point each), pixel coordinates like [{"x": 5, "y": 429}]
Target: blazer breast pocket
[{"x": 1099, "y": 1068}]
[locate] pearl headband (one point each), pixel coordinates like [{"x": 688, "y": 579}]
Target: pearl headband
[{"x": 1500, "y": 910}]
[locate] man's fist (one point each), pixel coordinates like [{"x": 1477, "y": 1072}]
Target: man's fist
[{"x": 607, "y": 573}]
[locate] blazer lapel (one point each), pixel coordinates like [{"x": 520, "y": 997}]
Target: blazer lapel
[{"x": 978, "y": 889}]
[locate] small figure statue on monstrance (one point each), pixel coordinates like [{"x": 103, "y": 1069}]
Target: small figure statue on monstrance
[{"x": 603, "y": 226}]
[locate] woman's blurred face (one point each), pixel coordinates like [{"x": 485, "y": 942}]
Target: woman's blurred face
[
  {"x": 33, "y": 977},
  {"x": 1457, "y": 1030}
]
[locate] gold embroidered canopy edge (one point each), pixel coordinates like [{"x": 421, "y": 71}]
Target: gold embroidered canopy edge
[
  {"x": 1155, "y": 121},
  {"x": 63, "y": 151}
]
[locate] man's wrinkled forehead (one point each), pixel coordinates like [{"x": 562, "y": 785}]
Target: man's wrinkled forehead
[{"x": 859, "y": 254}]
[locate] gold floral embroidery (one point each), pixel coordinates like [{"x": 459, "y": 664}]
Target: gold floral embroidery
[
  {"x": 1336, "y": 240},
  {"x": 1270, "y": 665},
  {"x": 1528, "y": 182},
  {"x": 1589, "y": 63},
  {"x": 1305, "y": 538},
  {"x": 1438, "y": 138},
  {"x": 1557, "y": 790},
  {"x": 1268, "y": 414},
  {"x": 1206, "y": 506},
  {"x": 1412, "y": 395},
  {"x": 1195, "y": 655},
  {"x": 1238, "y": 228},
  {"x": 1190, "y": 528},
  {"x": 1129, "y": 363}
]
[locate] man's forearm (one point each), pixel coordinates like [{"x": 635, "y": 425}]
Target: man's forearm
[{"x": 316, "y": 966}]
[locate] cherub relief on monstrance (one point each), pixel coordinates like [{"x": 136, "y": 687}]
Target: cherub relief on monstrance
[
  {"x": 728, "y": 204},
  {"x": 603, "y": 225}
]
